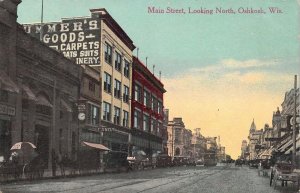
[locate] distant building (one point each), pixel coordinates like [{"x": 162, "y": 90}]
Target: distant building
[
  {"x": 198, "y": 144},
  {"x": 254, "y": 141},
  {"x": 244, "y": 149},
  {"x": 165, "y": 135},
  {"x": 180, "y": 138}
]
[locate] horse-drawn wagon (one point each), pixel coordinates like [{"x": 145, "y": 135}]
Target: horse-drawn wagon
[{"x": 283, "y": 172}]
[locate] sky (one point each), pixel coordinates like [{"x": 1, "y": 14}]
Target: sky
[{"x": 220, "y": 71}]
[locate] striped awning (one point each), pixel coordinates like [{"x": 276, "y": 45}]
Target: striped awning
[
  {"x": 7, "y": 84},
  {"x": 285, "y": 146},
  {"x": 42, "y": 100},
  {"x": 66, "y": 106},
  {"x": 27, "y": 92},
  {"x": 96, "y": 145}
]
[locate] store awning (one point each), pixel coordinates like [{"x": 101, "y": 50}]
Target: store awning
[
  {"x": 96, "y": 145},
  {"x": 285, "y": 146},
  {"x": 66, "y": 106},
  {"x": 7, "y": 84},
  {"x": 267, "y": 153},
  {"x": 297, "y": 146},
  {"x": 42, "y": 100},
  {"x": 28, "y": 93}
]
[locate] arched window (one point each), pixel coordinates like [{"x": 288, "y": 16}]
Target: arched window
[{"x": 177, "y": 151}]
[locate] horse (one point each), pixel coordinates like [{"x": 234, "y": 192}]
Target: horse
[
  {"x": 66, "y": 162},
  {"x": 35, "y": 168}
]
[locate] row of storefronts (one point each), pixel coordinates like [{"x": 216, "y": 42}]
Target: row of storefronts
[
  {"x": 76, "y": 92},
  {"x": 275, "y": 142}
]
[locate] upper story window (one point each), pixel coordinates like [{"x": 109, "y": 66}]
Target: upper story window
[
  {"x": 117, "y": 115},
  {"x": 159, "y": 128},
  {"x": 125, "y": 119},
  {"x": 92, "y": 86},
  {"x": 137, "y": 93},
  {"x": 107, "y": 82},
  {"x": 118, "y": 61},
  {"x": 154, "y": 103},
  {"x": 146, "y": 123},
  {"x": 93, "y": 114},
  {"x": 106, "y": 111},
  {"x": 159, "y": 107},
  {"x": 126, "y": 94},
  {"x": 137, "y": 119},
  {"x": 126, "y": 69},
  {"x": 117, "y": 89},
  {"x": 108, "y": 53},
  {"x": 147, "y": 101}
]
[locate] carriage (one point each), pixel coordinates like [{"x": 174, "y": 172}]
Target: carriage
[
  {"x": 283, "y": 172},
  {"x": 23, "y": 162}
]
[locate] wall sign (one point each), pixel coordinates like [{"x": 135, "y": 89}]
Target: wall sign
[
  {"x": 7, "y": 110},
  {"x": 76, "y": 38}
]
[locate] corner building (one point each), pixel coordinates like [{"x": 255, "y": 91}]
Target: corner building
[
  {"x": 34, "y": 105},
  {"x": 98, "y": 41},
  {"x": 147, "y": 116}
]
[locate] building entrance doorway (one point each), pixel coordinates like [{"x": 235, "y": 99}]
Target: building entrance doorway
[
  {"x": 5, "y": 139},
  {"x": 42, "y": 142}
]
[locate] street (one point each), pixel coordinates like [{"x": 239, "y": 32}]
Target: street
[{"x": 219, "y": 179}]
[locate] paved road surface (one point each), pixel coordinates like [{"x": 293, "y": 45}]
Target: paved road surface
[{"x": 219, "y": 179}]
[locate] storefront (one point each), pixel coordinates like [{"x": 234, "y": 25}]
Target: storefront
[
  {"x": 8, "y": 91},
  {"x": 5, "y": 137}
]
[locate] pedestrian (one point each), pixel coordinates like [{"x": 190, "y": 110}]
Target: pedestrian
[{"x": 54, "y": 161}]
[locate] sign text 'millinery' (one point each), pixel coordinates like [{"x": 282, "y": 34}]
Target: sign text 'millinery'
[{"x": 76, "y": 38}]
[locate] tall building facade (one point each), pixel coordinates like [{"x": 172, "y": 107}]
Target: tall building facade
[
  {"x": 147, "y": 116},
  {"x": 100, "y": 42}
]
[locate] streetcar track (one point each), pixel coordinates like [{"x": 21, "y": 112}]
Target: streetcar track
[
  {"x": 139, "y": 181},
  {"x": 206, "y": 176}
]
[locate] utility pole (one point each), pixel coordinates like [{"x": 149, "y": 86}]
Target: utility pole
[
  {"x": 294, "y": 121},
  {"x": 146, "y": 62},
  {"x": 42, "y": 21}
]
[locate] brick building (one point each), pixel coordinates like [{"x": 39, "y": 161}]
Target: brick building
[
  {"x": 147, "y": 109},
  {"x": 34, "y": 104}
]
